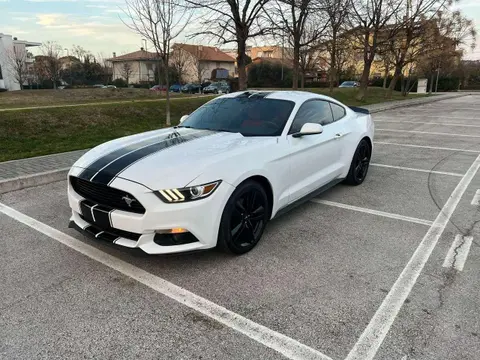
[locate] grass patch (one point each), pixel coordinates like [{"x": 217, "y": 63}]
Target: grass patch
[{"x": 27, "y": 133}]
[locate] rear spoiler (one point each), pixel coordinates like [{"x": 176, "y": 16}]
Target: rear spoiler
[{"x": 360, "y": 110}]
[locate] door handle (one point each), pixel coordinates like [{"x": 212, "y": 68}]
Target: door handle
[{"x": 338, "y": 135}]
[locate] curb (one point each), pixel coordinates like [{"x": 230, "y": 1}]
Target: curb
[
  {"x": 27, "y": 181},
  {"x": 414, "y": 102}
]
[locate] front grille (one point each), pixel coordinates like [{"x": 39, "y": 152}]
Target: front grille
[{"x": 105, "y": 195}]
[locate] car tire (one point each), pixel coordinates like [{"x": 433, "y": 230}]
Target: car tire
[
  {"x": 360, "y": 164},
  {"x": 244, "y": 218}
]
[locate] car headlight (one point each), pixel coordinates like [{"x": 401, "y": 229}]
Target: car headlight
[{"x": 190, "y": 193}]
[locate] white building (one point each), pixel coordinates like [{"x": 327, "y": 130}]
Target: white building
[{"x": 11, "y": 45}]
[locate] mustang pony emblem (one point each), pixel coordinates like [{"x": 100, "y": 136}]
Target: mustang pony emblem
[{"x": 128, "y": 200}]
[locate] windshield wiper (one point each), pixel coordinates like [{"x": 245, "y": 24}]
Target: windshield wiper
[{"x": 221, "y": 130}]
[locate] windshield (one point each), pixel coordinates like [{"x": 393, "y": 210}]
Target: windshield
[{"x": 250, "y": 116}]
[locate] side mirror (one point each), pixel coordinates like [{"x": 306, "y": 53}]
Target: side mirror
[
  {"x": 309, "y": 129},
  {"x": 183, "y": 118}
]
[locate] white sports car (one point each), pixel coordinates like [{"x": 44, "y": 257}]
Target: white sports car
[{"x": 217, "y": 178}]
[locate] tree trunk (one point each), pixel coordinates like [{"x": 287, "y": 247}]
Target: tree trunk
[
  {"x": 431, "y": 83},
  {"x": 407, "y": 87},
  {"x": 402, "y": 79},
  {"x": 296, "y": 62},
  {"x": 393, "y": 83},
  {"x": 241, "y": 59},
  {"x": 362, "y": 91},
  {"x": 332, "y": 78},
  {"x": 385, "y": 76},
  {"x": 302, "y": 81},
  {"x": 333, "y": 61},
  {"x": 167, "y": 93}
]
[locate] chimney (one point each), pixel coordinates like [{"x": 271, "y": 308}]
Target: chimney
[
  {"x": 216, "y": 49},
  {"x": 200, "y": 48},
  {"x": 114, "y": 54}
]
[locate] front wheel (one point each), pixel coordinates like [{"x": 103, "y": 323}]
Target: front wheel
[
  {"x": 360, "y": 164},
  {"x": 244, "y": 218}
]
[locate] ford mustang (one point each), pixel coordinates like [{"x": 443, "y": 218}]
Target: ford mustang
[{"x": 217, "y": 178}]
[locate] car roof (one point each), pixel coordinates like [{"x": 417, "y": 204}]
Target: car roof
[{"x": 292, "y": 95}]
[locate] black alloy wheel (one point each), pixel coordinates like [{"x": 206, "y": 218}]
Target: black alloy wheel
[
  {"x": 244, "y": 218},
  {"x": 360, "y": 164}
]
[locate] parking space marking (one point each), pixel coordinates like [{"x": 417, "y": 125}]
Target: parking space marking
[
  {"x": 286, "y": 346},
  {"x": 426, "y": 123},
  {"x": 426, "y": 147},
  {"x": 427, "y": 132},
  {"x": 476, "y": 198},
  {"x": 458, "y": 252},
  {"x": 378, "y": 327},
  {"x": 373, "y": 212},
  {"x": 425, "y": 115},
  {"x": 416, "y": 169}
]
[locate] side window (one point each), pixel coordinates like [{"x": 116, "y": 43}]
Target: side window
[
  {"x": 314, "y": 111},
  {"x": 338, "y": 111}
]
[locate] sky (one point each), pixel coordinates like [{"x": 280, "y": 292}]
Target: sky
[{"x": 96, "y": 25}]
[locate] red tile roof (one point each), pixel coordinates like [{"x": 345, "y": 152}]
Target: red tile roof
[
  {"x": 137, "y": 55},
  {"x": 208, "y": 53}
]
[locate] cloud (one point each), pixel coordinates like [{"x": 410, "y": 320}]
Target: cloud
[
  {"x": 49, "y": 19},
  {"x": 22, "y": 18},
  {"x": 117, "y": 11},
  {"x": 97, "y": 6}
]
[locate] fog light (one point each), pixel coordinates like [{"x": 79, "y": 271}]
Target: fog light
[{"x": 172, "y": 231}]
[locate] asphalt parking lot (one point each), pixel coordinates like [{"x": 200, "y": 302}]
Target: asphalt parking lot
[{"x": 386, "y": 270}]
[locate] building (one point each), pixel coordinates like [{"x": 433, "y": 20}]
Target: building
[
  {"x": 12, "y": 49},
  {"x": 196, "y": 63},
  {"x": 136, "y": 67}
]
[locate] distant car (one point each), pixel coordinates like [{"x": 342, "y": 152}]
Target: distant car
[
  {"x": 3, "y": 89},
  {"x": 159, "y": 88},
  {"x": 175, "y": 88},
  {"x": 217, "y": 88},
  {"x": 191, "y": 88},
  {"x": 349, "y": 84},
  {"x": 99, "y": 86},
  {"x": 111, "y": 87},
  {"x": 205, "y": 84}
]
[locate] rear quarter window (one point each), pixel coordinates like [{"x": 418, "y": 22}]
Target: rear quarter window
[{"x": 338, "y": 111}]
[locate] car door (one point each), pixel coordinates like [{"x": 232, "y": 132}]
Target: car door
[{"x": 313, "y": 159}]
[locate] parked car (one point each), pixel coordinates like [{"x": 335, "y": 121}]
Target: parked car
[
  {"x": 205, "y": 84},
  {"x": 241, "y": 158},
  {"x": 158, "y": 88},
  {"x": 175, "y": 88},
  {"x": 217, "y": 88},
  {"x": 99, "y": 86},
  {"x": 111, "y": 87},
  {"x": 349, "y": 84},
  {"x": 191, "y": 88}
]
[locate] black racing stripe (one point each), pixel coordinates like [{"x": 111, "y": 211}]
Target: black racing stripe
[
  {"x": 100, "y": 163},
  {"x": 107, "y": 174}
]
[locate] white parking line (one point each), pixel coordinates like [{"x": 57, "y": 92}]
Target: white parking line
[
  {"x": 373, "y": 336},
  {"x": 426, "y": 123},
  {"x": 426, "y": 147},
  {"x": 458, "y": 252},
  {"x": 423, "y": 116},
  {"x": 286, "y": 346},
  {"x": 427, "y": 132},
  {"x": 374, "y": 212},
  {"x": 419, "y": 170},
  {"x": 476, "y": 198}
]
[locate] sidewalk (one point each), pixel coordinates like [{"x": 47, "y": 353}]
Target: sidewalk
[{"x": 19, "y": 174}]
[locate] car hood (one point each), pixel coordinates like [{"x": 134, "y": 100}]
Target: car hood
[{"x": 165, "y": 158}]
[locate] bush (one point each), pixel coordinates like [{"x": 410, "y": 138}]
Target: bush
[
  {"x": 269, "y": 75},
  {"x": 119, "y": 83}
]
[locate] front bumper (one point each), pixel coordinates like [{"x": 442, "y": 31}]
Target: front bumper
[{"x": 201, "y": 218}]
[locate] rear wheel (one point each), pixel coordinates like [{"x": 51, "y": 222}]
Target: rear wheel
[
  {"x": 360, "y": 164},
  {"x": 244, "y": 218}
]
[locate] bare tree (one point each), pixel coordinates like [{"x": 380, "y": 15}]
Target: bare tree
[
  {"x": 374, "y": 22},
  {"x": 17, "y": 64},
  {"x": 301, "y": 21},
  {"x": 180, "y": 60},
  {"x": 126, "y": 71},
  {"x": 49, "y": 64},
  {"x": 160, "y": 22},
  {"x": 337, "y": 12},
  {"x": 233, "y": 21}
]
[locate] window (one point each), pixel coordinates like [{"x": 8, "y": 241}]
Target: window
[
  {"x": 315, "y": 111},
  {"x": 338, "y": 111},
  {"x": 248, "y": 115}
]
